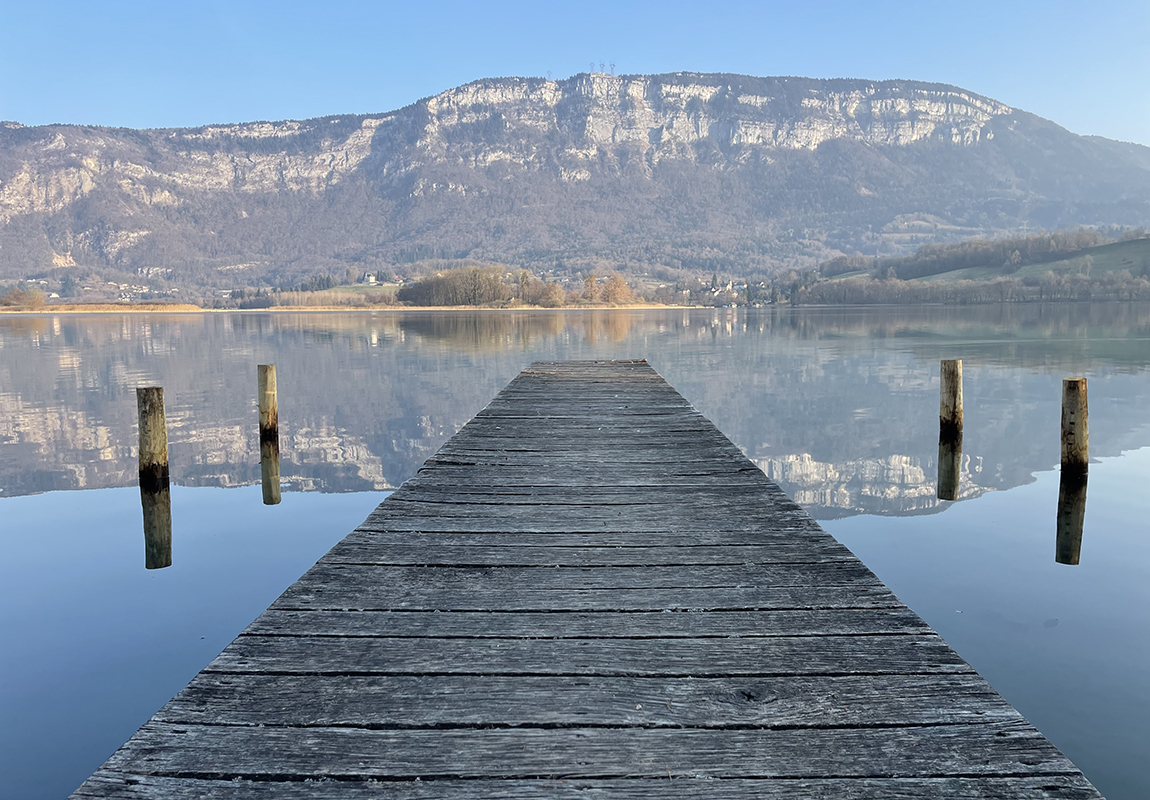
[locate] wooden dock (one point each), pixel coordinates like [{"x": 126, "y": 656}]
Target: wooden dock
[{"x": 589, "y": 592}]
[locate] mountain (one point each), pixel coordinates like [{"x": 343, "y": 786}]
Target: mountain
[{"x": 687, "y": 171}]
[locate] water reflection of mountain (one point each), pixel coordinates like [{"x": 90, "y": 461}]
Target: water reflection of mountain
[
  {"x": 900, "y": 485},
  {"x": 838, "y": 405}
]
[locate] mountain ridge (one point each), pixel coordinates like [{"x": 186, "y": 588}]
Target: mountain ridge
[{"x": 682, "y": 171}]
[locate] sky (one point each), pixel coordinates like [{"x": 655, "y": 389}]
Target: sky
[{"x": 151, "y": 64}]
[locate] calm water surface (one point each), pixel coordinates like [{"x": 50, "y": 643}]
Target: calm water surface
[{"x": 839, "y": 406}]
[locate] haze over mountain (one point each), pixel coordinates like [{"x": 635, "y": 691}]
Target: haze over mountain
[{"x": 701, "y": 172}]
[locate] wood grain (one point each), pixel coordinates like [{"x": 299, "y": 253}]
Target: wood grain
[{"x": 113, "y": 785}]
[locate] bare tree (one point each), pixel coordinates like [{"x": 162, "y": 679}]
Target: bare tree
[
  {"x": 617, "y": 292},
  {"x": 590, "y": 290}
]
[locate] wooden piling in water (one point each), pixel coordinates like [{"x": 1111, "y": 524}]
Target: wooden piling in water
[
  {"x": 1075, "y": 431},
  {"x": 1071, "y": 516},
  {"x": 155, "y": 497},
  {"x": 153, "y": 438},
  {"x": 949, "y": 428},
  {"x": 949, "y": 467},
  {"x": 269, "y": 434},
  {"x": 950, "y": 399}
]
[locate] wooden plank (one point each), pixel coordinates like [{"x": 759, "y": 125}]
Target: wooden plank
[
  {"x": 588, "y": 592},
  {"x": 575, "y": 518},
  {"x": 229, "y": 752},
  {"x": 602, "y": 625},
  {"x": 446, "y": 701},
  {"x": 368, "y": 536},
  {"x": 802, "y": 655},
  {"x": 388, "y": 578},
  {"x": 665, "y": 497},
  {"x": 733, "y": 488},
  {"x": 587, "y": 478},
  {"x": 635, "y": 515},
  {"x": 542, "y": 521},
  {"x": 113, "y": 785},
  {"x": 304, "y": 596},
  {"x": 366, "y": 551}
]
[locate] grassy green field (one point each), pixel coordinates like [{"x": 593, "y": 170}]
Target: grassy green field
[{"x": 1132, "y": 256}]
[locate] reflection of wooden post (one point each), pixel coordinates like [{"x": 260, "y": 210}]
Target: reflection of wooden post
[
  {"x": 1071, "y": 516},
  {"x": 157, "y": 528},
  {"x": 154, "y": 492},
  {"x": 269, "y": 434},
  {"x": 950, "y": 399},
  {"x": 949, "y": 467},
  {"x": 949, "y": 428},
  {"x": 1075, "y": 432}
]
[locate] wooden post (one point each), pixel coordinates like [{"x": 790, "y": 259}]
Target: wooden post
[
  {"x": 1075, "y": 432},
  {"x": 1071, "y": 516},
  {"x": 949, "y": 428},
  {"x": 153, "y": 438},
  {"x": 949, "y": 467},
  {"x": 950, "y": 399},
  {"x": 155, "y": 496},
  {"x": 269, "y": 434}
]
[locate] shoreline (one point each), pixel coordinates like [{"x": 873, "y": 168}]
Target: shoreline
[
  {"x": 184, "y": 309},
  {"x": 111, "y": 308}
]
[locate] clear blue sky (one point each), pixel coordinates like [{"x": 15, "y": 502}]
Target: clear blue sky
[{"x": 174, "y": 63}]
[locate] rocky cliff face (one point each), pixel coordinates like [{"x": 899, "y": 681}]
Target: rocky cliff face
[{"x": 680, "y": 170}]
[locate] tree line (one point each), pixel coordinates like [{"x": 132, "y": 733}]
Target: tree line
[
  {"x": 491, "y": 286},
  {"x": 21, "y": 296},
  {"x": 1011, "y": 254}
]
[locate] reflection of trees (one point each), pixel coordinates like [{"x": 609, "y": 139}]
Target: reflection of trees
[
  {"x": 483, "y": 330},
  {"x": 613, "y": 326},
  {"x": 494, "y": 331}
]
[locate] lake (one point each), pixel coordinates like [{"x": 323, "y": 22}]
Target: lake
[{"x": 839, "y": 406}]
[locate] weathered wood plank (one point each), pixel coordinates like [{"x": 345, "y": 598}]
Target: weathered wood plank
[
  {"x": 226, "y": 752},
  {"x": 588, "y": 478},
  {"x": 113, "y": 785},
  {"x": 304, "y": 596},
  {"x": 544, "y": 521},
  {"x": 735, "y": 490},
  {"x": 673, "y": 499},
  {"x": 599, "y": 540},
  {"x": 804, "y": 655},
  {"x": 625, "y": 516},
  {"x": 573, "y": 518},
  {"x": 365, "y": 551},
  {"x": 427, "y": 701},
  {"x": 402, "y": 578},
  {"x": 603, "y": 624}
]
